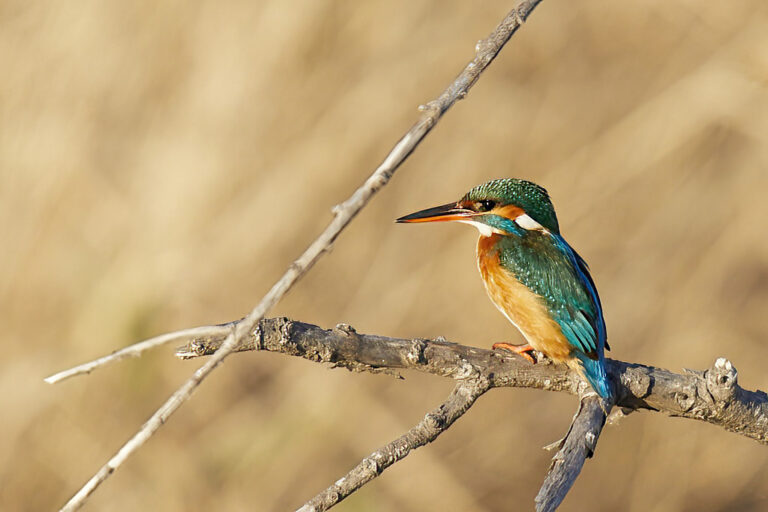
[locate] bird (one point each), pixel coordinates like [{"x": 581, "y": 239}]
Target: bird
[{"x": 532, "y": 275}]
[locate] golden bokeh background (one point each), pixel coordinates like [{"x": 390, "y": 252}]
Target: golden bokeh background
[{"x": 161, "y": 164}]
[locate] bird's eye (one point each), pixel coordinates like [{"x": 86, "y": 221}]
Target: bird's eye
[{"x": 485, "y": 205}]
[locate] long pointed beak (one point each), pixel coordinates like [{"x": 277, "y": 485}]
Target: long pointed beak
[{"x": 444, "y": 213}]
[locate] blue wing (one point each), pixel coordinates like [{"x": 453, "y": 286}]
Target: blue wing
[
  {"x": 556, "y": 273},
  {"x": 587, "y": 324},
  {"x": 584, "y": 327}
]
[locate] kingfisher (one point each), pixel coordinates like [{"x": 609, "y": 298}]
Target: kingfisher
[{"x": 532, "y": 275}]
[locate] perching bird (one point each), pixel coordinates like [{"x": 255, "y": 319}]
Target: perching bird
[{"x": 532, "y": 275}]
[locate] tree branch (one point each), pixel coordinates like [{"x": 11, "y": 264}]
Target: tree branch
[
  {"x": 574, "y": 449},
  {"x": 485, "y": 52},
  {"x": 137, "y": 349},
  {"x": 434, "y": 423},
  {"x": 713, "y": 396}
]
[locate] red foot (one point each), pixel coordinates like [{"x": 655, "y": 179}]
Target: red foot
[{"x": 523, "y": 350}]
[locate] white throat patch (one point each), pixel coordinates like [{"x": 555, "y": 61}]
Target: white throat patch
[{"x": 483, "y": 228}]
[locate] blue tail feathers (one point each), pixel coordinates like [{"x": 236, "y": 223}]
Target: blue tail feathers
[{"x": 594, "y": 371}]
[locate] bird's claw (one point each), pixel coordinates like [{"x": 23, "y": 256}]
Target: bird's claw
[{"x": 524, "y": 350}]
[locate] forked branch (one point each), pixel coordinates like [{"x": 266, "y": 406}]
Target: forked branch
[{"x": 713, "y": 395}]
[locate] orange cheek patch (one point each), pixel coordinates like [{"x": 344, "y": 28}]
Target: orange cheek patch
[{"x": 509, "y": 211}]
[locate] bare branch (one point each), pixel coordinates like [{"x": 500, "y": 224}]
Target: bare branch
[
  {"x": 434, "y": 423},
  {"x": 578, "y": 445},
  {"x": 713, "y": 395},
  {"x": 485, "y": 52},
  {"x": 151, "y": 426},
  {"x": 137, "y": 349}
]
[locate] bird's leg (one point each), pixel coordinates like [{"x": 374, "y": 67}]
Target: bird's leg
[{"x": 523, "y": 350}]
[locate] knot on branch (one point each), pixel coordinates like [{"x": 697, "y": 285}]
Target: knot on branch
[
  {"x": 466, "y": 371},
  {"x": 288, "y": 336},
  {"x": 638, "y": 380},
  {"x": 685, "y": 396},
  {"x": 284, "y": 328},
  {"x": 434, "y": 421},
  {"x": 372, "y": 465},
  {"x": 431, "y": 112},
  {"x": 416, "y": 353},
  {"x": 346, "y": 329},
  {"x": 722, "y": 380}
]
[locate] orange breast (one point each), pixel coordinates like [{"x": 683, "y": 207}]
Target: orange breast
[{"x": 521, "y": 306}]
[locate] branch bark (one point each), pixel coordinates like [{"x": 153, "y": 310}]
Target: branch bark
[
  {"x": 434, "y": 423},
  {"x": 713, "y": 395},
  {"x": 575, "y": 448}
]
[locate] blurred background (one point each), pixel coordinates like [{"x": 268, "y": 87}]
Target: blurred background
[{"x": 161, "y": 164}]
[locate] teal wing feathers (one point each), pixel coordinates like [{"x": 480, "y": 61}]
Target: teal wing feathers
[
  {"x": 552, "y": 270},
  {"x": 549, "y": 267}
]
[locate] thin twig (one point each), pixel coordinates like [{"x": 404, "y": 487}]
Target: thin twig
[
  {"x": 434, "y": 423},
  {"x": 137, "y": 349},
  {"x": 713, "y": 396},
  {"x": 485, "y": 52},
  {"x": 576, "y": 447},
  {"x": 150, "y": 427}
]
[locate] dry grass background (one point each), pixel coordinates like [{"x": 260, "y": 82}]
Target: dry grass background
[{"x": 162, "y": 163}]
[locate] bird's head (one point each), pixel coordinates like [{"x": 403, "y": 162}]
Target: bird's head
[{"x": 506, "y": 206}]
